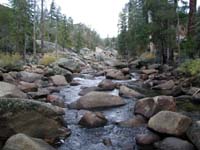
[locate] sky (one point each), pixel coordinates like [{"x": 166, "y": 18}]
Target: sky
[{"x": 100, "y": 15}]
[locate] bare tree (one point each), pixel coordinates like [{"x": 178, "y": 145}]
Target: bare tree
[
  {"x": 34, "y": 29},
  {"x": 42, "y": 24}
]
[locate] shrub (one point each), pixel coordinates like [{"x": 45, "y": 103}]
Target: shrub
[
  {"x": 47, "y": 59},
  {"x": 191, "y": 67},
  {"x": 11, "y": 61}
]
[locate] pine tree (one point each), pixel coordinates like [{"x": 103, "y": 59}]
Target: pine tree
[{"x": 123, "y": 27}]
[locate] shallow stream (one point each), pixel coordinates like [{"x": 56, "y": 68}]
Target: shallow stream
[{"x": 92, "y": 139}]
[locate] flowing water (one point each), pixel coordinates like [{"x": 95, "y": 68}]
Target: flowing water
[{"x": 92, "y": 139}]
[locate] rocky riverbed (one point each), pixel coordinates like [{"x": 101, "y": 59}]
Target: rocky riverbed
[{"x": 78, "y": 103}]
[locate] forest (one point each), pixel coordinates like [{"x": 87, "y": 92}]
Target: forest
[{"x": 63, "y": 86}]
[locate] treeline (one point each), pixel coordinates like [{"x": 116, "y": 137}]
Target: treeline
[
  {"x": 163, "y": 27},
  {"x": 25, "y": 21}
]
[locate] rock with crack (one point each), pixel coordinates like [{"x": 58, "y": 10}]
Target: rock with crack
[{"x": 150, "y": 106}]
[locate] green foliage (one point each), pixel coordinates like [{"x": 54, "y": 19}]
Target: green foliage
[
  {"x": 186, "y": 105},
  {"x": 190, "y": 67},
  {"x": 10, "y": 61},
  {"x": 47, "y": 59}
]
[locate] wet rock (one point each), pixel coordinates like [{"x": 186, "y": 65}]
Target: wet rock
[
  {"x": 165, "y": 86},
  {"x": 24, "y": 142},
  {"x": 150, "y": 106},
  {"x": 120, "y": 65},
  {"x": 93, "y": 120},
  {"x": 125, "y": 70},
  {"x": 41, "y": 93},
  {"x": 8, "y": 78},
  {"x": 144, "y": 76},
  {"x": 116, "y": 74},
  {"x": 129, "y": 93},
  {"x": 154, "y": 66},
  {"x": 58, "y": 80},
  {"x": 193, "y": 133},
  {"x": 61, "y": 71},
  {"x": 74, "y": 83},
  {"x": 107, "y": 85},
  {"x": 10, "y": 90},
  {"x": 107, "y": 142},
  {"x": 97, "y": 100},
  {"x": 56, "y": 100},
  {"x": 86, "y": 90},
  {"x": 147, "y": 139},
  {"x": 172, "y": 143},
  {"x": 170, "y": 123},
  {"x": 28, "y": 77},
  {"x": 134, "y": 122},
  {"x": 36, "y": 119},
  {"x": 27, "y": 87},
  {"x": 43, "y": 83},
  {"x": 69, "y": 64},
  {"x": 149, "y": 71}
]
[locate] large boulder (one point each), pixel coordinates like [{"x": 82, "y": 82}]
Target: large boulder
[
  {"x": 116, "y": 74},
  {"x": 172, "y": 143},
  {"x": 170, "y": 123},
  {"x": 97, "y": 100},
  {"x": 165, "y": 86},
  {"x": 36, "y": 119},
  {"x": 150, "y": 106},
  {"x": 10, "y": 90},
  {"x": 193, "y": 133},
  {"x": 70, "y": 64},
  {"x": 28, "y": 77},
  {"x": 129, "y": 93},
  {"x": 24, "y": 142},
  {"x": 58, "y": 80},
  {"x": 93, "y": 120},
  {"x": 107, "y": 85}
]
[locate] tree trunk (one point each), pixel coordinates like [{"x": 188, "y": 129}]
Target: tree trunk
[
  {"x": 25, "y": 46},
  {"x": 42, "y": 24},
  {"x": 56, "y": 40},
  {"x": 34, "y": 30},
  {"x": 191, "y": 22}
]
